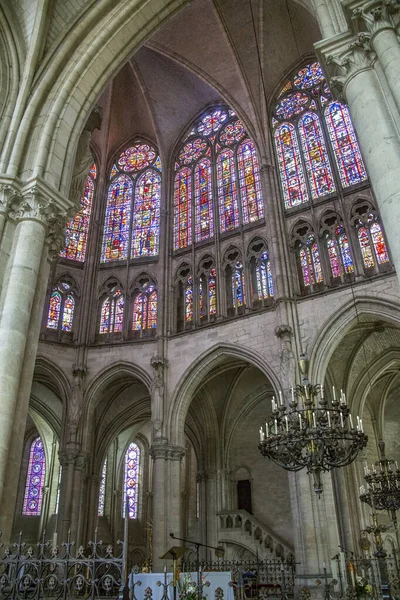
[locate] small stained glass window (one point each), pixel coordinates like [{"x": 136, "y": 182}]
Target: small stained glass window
[
  {"x": 310, "y": 263},
  {"x": 53, "y": 317},
  {"x": 212, "y": 122},
  {"x": 131, "y": 481},
  {"x": 265, "y": 287},
  {"x": 238, "y": 286},
  {"x": 145, "y": 309},
  {"x": 35, "y": 479},
  {"x": 61, "y": 308},
  {"x": 189, "y": 300},
  {"x": 183, "y": 209},
  {"x": 112, "y": 313},
  {"x": 78, "y": 228},
  {"x": 345, "y": 251},
  {"x": 212, "y": 292},
  {"x": 365, "y": 245},
  {"x": 102, "y": 491},
  {"x": 227, "y": 191},
  {"x": 249, "y": 183},
  {"x": 379, "y": 243},
  {"x": 136, "y": 158}
]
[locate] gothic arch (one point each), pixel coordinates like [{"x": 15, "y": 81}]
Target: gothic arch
[{"x": 195, "y": 374}]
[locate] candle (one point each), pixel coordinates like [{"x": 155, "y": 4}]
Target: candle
[
  {"x": 273, "y": 402},
  {"x": 165, "y": 569},
  {"x": 261, "y": 434},
  {"x": 397, "y": 466},
  {"x": 314, "y": 421},
  {"x": 300, "y": 422},
  {"x": 361, "y": 426},
  {"x": 341, "y": 419},
  {"x": 358, "y": 423},
  {"x": 329, "y": 418},
  {"x": 322, "y": 392},
  {"x": 287, "y": 425},
  {"x": 351, "y": 421},
  {"x": 267, "y": 429},
  {"x": 334, "y": 393},
  {"x": 293, "y": 400},
  {"x": 276, "y": 426},
  {"x": 280, "y": 398}
]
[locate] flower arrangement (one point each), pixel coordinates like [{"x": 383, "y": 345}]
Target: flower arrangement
[
  {"x": 363, "y": 588},
  {"x": 187, "y": 588}
]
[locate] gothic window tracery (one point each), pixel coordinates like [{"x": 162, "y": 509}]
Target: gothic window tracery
[
  {"x": 338, "y": 248},
  {"x": 371, "y": 239},
  {"x": 102, "y": 490},
  {"x": 77, "y": 230},
  {"x": 217, "y": 149},
  {"x": 207, "y": 290},
  {"x": 262, "y": 287},
  {"x": 61, "y": 309},
  {"x": 185, "y": 298},
  {"x": 144, "y": 318},
  {"x": 132, "y": 219},
  {"x": 235, "y": 282},
  {"x": 112, "y": 311},
  {"x": 35, "y": 479},
  {"x": 305, "y": 110},
  {"x": 308, "y": 257},
  {"x": 131, "y": 481}
]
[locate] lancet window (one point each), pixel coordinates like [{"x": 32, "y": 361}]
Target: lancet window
[
  {"x": 131, "y": 481},
  {"x": 207, "y": 290},
  {"x": 144, "y": 318},
  {"x": 112, "y": 311},
  {"x": 316, "y": 145},
  {"x": 235, "y": 282},
  {"x": 132, "y": 219},
  {"x": 371, "y": 239},
  {"x": 337, "y": 245},
  {"x": 35, "y": 479},
  {"x": 77, "y": 230},
  {"x": 262, "y": 287},
  {"x": 185, "y": 298},
  {"x": 308, "y": 257},
  {"x": 102, "y": 490},
  {"x": 217, "y": 177},
  {"x": 61, "y": 309}
]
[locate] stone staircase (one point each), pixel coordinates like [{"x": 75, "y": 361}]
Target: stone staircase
[{"x": 240, "y": 527}]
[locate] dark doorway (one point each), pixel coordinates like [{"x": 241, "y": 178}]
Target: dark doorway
[{"x": 244, "y": 495}]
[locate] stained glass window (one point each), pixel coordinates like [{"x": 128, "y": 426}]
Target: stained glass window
[
  {"x": 238, "y": 286},
  {"x": 347, "y": 152},
  {"x": 227, "y": 191},
  {"x": 310, "y": 263},
  {"x": 61, "y": 308},
  {"x": 309, "y": 77},
  {"x": 265, "y": 287},
  {"x": 203, "y": 200},
  {"x": 35, "y": 479},
  {"x": 58, "y": 491},
  {"x": 249, "y": 183},
  {"x": 233, "y": 132},
  {"x": 379, "y": 243},
  {"x": 146, "y": 215},
  {"x": 192, "y": 151},
  {"x": 136, "y": 158},
  {"x": 365, "y": 246},
  {"x": 212, "y": 122},
  {"x": 290, "y": 167},
  {"x": 116, "y": 227},
  {"x": 293, "y": 104},
  {"x": 316, "y": 157},
  {"x": 212, "y": 292},
  {"x": 345, "y": 251},
  {"x": 102, "y": 491},
  {"x": 77, "y": 229},
  {"x": 183, "y": 209},
  {"x": 112, "y": 313},
  {"x": 189, "y": 300},
  {"x": 131, "y": 481},
  {"x": 145, "y": 309},
  {"x": 333, "y": 254}
]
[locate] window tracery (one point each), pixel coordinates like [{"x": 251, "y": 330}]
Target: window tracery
[
  {"x": 235, "y": 282},
  {"x": 262, "y": 287},
  {"x": 61, "y": 309},
  {"x": 145, "y": 307},
  {"x": 35, "y": 479},
  {"x": 207, "y": 290},
  {"x": 338, "y": 247},
  {"x": 102, "y": 490},
  {"x": 131, "y": 481},
  {"x": 324, "y": 126},
  {"x": 308, "y": 257},
  {"x": 218, "y": 149},
  {"x": 112, "y": 311},
  {"x": 371, "y": 239},
  {"x": 132, "y": 220},
  {"x": 185, "y": 298},
  {"x": 77, "y": 229}
]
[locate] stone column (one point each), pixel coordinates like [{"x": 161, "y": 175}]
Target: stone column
[
  {"x": 32, "y": 216},
  {"x": 378, "y": 16},
  {"x": 68, "y": 459},
  {"x": 351, "y": 67},
  {"x": 166, "y": 500}
]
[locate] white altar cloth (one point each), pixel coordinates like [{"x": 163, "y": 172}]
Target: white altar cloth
[{"x": 216, "y": 579}]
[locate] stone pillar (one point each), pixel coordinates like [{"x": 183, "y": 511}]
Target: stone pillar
[
  {"x": 352, "y": 70},
  {"x": 378, "y": 16},
  {"x": 68, "y": 459},
  {"x": 80, "y": 466},
  {"x": 166, "y": 500},
  {"x": 93, "y": 486},
  {"x": 32, "y": 215}
]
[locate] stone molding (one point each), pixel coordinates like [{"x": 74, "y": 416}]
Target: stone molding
[
  {"x": 166, "y": 452},
  {"x": 283, "y": 331}
]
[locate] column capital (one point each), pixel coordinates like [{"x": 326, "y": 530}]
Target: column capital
[
  {"x": 166, "y": 452},
  {"x": 375, "y": 15},
  {"x": 9, "y": 195}
]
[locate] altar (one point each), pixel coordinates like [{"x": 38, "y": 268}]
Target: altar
[{"x": 216, "y": 579}]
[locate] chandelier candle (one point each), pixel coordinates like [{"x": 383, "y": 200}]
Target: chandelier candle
[{"x": 311, "y": 433}]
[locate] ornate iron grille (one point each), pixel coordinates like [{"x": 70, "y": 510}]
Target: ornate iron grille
[{"x": 34, "y": 573}]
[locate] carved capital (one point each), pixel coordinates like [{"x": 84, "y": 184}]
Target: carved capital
[
  {"x": 283, "y": 331},
  {"x": 377, "y": 15},
  {"x": 345, "y": 65},
  {"x": 9, "y": 195},
  {"x": 165, "y": 452}
]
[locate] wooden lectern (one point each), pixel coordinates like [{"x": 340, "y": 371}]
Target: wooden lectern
[{"x": 174, "y": 554}]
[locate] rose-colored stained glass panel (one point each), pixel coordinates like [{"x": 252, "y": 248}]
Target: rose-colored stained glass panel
[
  {"x": 249, "y": 183},
  {"x": 379, "y": 243},
  {"x": 116, "y": 227},
  {"x": 53, "y": 316},
  {"x": 232, "y": 133},
  {"x": 227, "y": 191},
  {"x": 290, "y": 166},
  {"x": 183, "y": 209},
  {"x": 212, "y": 122},
  {"x": 192, "y": 151},
  {"x": 203, "y": 200},
  {"x": 309, "y": 77},
  {"x": 146, "y": 215},
  {"x": 136, "y": 158}
]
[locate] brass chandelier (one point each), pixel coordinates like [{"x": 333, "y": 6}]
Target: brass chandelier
[{"x": 311, "y": 433}]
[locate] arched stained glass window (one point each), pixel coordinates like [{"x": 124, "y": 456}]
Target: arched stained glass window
[
  {"x": 35, "y": 479},
  {"x": 379, "y": 243},
  {"x": 118, "y": 213},
  {"x": 131, "y": 481},
  {"x": 146, "y": 215},
  {"x": 78, "y": 228},
  {"x": 112, "y": 312},
  {"x": 346, "y": 150},
  {"x": 102, "y": 491},
  {"x": 145, "y": 309},
  {"x": 265, "y": 287},
  {"x": 183, "y": 209},
  {"x": 345, "y": 251},
  {"x": 238, "y": 286},
  {"x": 316, "y": 158},
  {"x": 61, "y": 308},
  {"x": 203, "y": 200},
  {"x": 189, "y": 300},
  {"x": 249, "y": 183},
  {"x": 212, "y": 292},
  {"x": 305, "y": 102},
  {"x": 310, "y": 263},
  {"x": 227, "y": 191},
  {"x": 333, "y": 253},
  {"x": 365, "y": 245},
  {"x": 290, "y": 166}
]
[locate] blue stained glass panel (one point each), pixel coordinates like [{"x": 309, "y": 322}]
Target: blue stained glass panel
[
  {"x": 35, "y": 479},
  {"x": 116, "y": 227},
  {"x": 146, "y": 215}
]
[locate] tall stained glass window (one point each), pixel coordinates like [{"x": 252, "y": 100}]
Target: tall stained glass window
[
  {"x": 372, "y": 242},
  {"x": 265, "y": 286},
  {"x": 305, "y": 103},
  {"x": 379, "y": 243},
  {"x": 145, "y": 309},
  {"x": 189, "y": 300},
  {"x": 78, "y": 228},
  {"x": 102, "y": 490},
  {"x": 131, "y": 481},
  {"x": 218, "y": 151},
  {"x": 212, "y": 292},
  {"x": 238, "y": 286},
  {"x": 365, "y": 245},
  {"x": 61, "y": 308},
  {"x": 35, "y": 479},
  {"x": 310, "y": 262},
  {"x": 132, "y": 219},
  {"x": 112, "y": 312},
  {"x": 339, "y": 253}
]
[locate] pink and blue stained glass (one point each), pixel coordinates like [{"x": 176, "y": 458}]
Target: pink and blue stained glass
[
  {"x": 316, "y": 157},
  {"x": 189, "y": 300},
  {"x": 146, "y": 215},
  {"x": 309, "y": 77},
  {"x": 203, "y": 200},
  {"x": 290, "y": 167},
  {"x": 212, "y": 122},
  {"x": 136, "y": 158},
  {"x": 249, "y": 183},
  {"x": 227, "y": 191},
  {"x": 116, "y": 227},
  {"x": 35, "y": 479},
  {"x": 131, "y": 481},
  {"x": 379, "y": 243},
  {"x": 232, "y": 133},
  {"x": 291, "y": 105},
  {"x": 192, "y": 151}
]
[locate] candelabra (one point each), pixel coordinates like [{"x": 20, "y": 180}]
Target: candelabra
[
  {"x": 311, "y": 433},
  {"x": 383, "y": 487}
]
